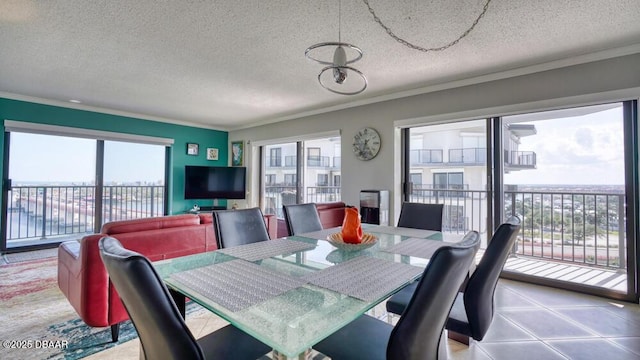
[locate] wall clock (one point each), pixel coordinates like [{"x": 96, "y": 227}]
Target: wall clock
[{"x": 366, "y": 143}]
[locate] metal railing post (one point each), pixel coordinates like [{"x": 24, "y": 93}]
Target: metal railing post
[
  {"x": 44, "y": 212},
  {"x": 514, "y": 249},
  {"x": 621, "y": 248},
  {"x": 153, "y": 202}
]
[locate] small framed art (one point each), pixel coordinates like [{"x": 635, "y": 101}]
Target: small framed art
[
  {"x": 237, "y": 152},
  {"x": 192, "y": 149},
  {"x": 212, "y": 154}
]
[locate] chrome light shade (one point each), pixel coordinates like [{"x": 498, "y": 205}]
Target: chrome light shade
[{"x": 342, "y": 79}]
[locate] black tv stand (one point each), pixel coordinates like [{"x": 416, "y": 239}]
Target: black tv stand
[{"x": 212, "y": 208}]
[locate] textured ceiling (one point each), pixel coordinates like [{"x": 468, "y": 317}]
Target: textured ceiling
[{"x": 229, "y": 64}]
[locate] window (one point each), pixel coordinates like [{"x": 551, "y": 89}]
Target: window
[
  {"x": 275, "y": 157},
  {"x": 336, "y": 180},
  {"x": 567, "y": 173},
  {"x": 270, "y": 179},
  {"x": 453, "y": 219},
  {"x": 316, "y": 180},
  {"x": 449, "y": 181},
  {"x": 323, "y": 180},
  {"x": 84, "y": 183},
  {"x": 416, "y": 178},
  {"x": 289, "y": 179},
  {"x": 313, "y": 157},
  {"x": 290, "y": 161}
]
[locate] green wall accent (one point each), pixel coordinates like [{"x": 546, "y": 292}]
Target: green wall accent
[{"x": 61, "y": 116}]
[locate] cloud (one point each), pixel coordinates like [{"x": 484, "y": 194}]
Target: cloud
[
  {"x": 584, "y": 138},
  {"x": 585, "y": 149}
]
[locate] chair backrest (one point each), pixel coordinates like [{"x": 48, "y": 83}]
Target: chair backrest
[
  {"x": 162, "y": 331},
  {"x": 419, "y": 330},
  {"x": 471, "y": 238},
  {"x": 481, "y": 287},
  {"x": 239, "y": 227},
  {"x": 421, "y": 216},
  {"x": 302, "y": 218}
]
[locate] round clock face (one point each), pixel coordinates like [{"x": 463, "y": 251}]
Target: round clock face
[{"x": 366, "y": 144}]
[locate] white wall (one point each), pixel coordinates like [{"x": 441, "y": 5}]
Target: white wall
[{"x": 600, "y": 81}]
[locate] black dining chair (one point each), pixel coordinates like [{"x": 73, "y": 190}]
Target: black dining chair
[
  {"x": 302, "y": 218},
  {"x": 473, "y": 309},
  {"x": 398, "y": 302},
  {"x": 418, "y": 333},
  {"x": 239, "y": 227},
  {"x": 162, "y": 331},
  {"x": 421, "y": 216}
]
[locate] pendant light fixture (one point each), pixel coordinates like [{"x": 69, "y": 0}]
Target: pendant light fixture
[{"x": 338, "y": 77}]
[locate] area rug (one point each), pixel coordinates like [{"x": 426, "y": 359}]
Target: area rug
[{"x": 36, "y": 315}]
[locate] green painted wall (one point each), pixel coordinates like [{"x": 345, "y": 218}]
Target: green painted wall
[{"x": 54, "y": 115}]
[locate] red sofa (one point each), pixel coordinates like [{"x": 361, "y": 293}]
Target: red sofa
[
  {"x": 331, "y": 215},
  {"x": 83, "y": 279}
]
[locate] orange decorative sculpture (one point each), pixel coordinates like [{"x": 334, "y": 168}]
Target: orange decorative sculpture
[{"x": 351, "y": 228}]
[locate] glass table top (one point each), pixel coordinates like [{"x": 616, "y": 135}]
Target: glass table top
[{"x": 292, "y": 300}]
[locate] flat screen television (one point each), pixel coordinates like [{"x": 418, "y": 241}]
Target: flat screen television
[{"x": 214, "y": 182}]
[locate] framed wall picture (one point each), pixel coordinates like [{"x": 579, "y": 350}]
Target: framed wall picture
[
  {"x": 212, "y": 154},
  {"x": 192, "y": 149},
  {"x": 237, "y": 153}
]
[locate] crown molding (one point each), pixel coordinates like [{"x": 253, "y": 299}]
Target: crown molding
[
  {"x": 102, "y": 110},
  {"x": 525, "y": 70}
]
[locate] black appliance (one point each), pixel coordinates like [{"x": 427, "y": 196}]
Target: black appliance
[{"x": 374, "y": 207}]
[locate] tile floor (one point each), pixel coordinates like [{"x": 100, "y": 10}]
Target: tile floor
[{"x": 531, "y": 322}]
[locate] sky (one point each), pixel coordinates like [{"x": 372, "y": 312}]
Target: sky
[
  {"x": 580, "y": 150},
  {"x": 38, "y": 158},
  {"x": 576, "y": 150}
]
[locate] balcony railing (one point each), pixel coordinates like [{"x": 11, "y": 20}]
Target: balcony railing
[
  {"x": 521, "y": 159},
  {"x": 318, "y": 161},
  {"x": 473, "y": 156},
  {"x": 468, "y": 156},
  {"x": 337, "y": 161},
  {"x": 577, "y": 227},
  {"x": 321, "y": 194},
  {"x": 317, "y": 194},
  {"x": 464, "y": 209},
  {"x": 274, "y": 162},
  {"x": 290, "y": 161},
  {"x": 587, "y": 228},
  {"x": 430, "y": 190},
  {"x": 425, "y": 156},
  {"x": 312, "y": 161},
  {"x": 38, "y": 212}
]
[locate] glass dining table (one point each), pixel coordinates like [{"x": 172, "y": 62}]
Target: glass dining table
[{"x": 292, "y": 292}]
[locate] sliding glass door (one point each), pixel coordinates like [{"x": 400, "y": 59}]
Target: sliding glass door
[
  {"x": 448, "y": 165},
  {"x": 300, "y": 172},
  {"x": 567, "y": 182},
  {"x": 571, "y": 175},
  {"x": 51, "y": 189},
  {"x": 134, "y": 179},
  {"x": 61, "y": 187}
]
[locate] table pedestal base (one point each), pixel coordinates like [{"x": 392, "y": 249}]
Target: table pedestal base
[{"x": 306, "y": 355}]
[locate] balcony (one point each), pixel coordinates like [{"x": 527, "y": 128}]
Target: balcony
[
  {"x": 420, "y": 157},
  {"x": 290, "y": 161},
  {"x": 316, "y": 194},
  {"x": 514, "y": 160},
  {"x": 318, "y": 161},
  {"x": 580, "y": 228},
  {"x": 517, "y": 160},
  {"x": 40, "y": 214},
  {"x": 274, "y": 162},
  {"x": 337, "y": 162},
  {"x": 468, "y": 156},
  {"x": 435, "y": 191}
]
